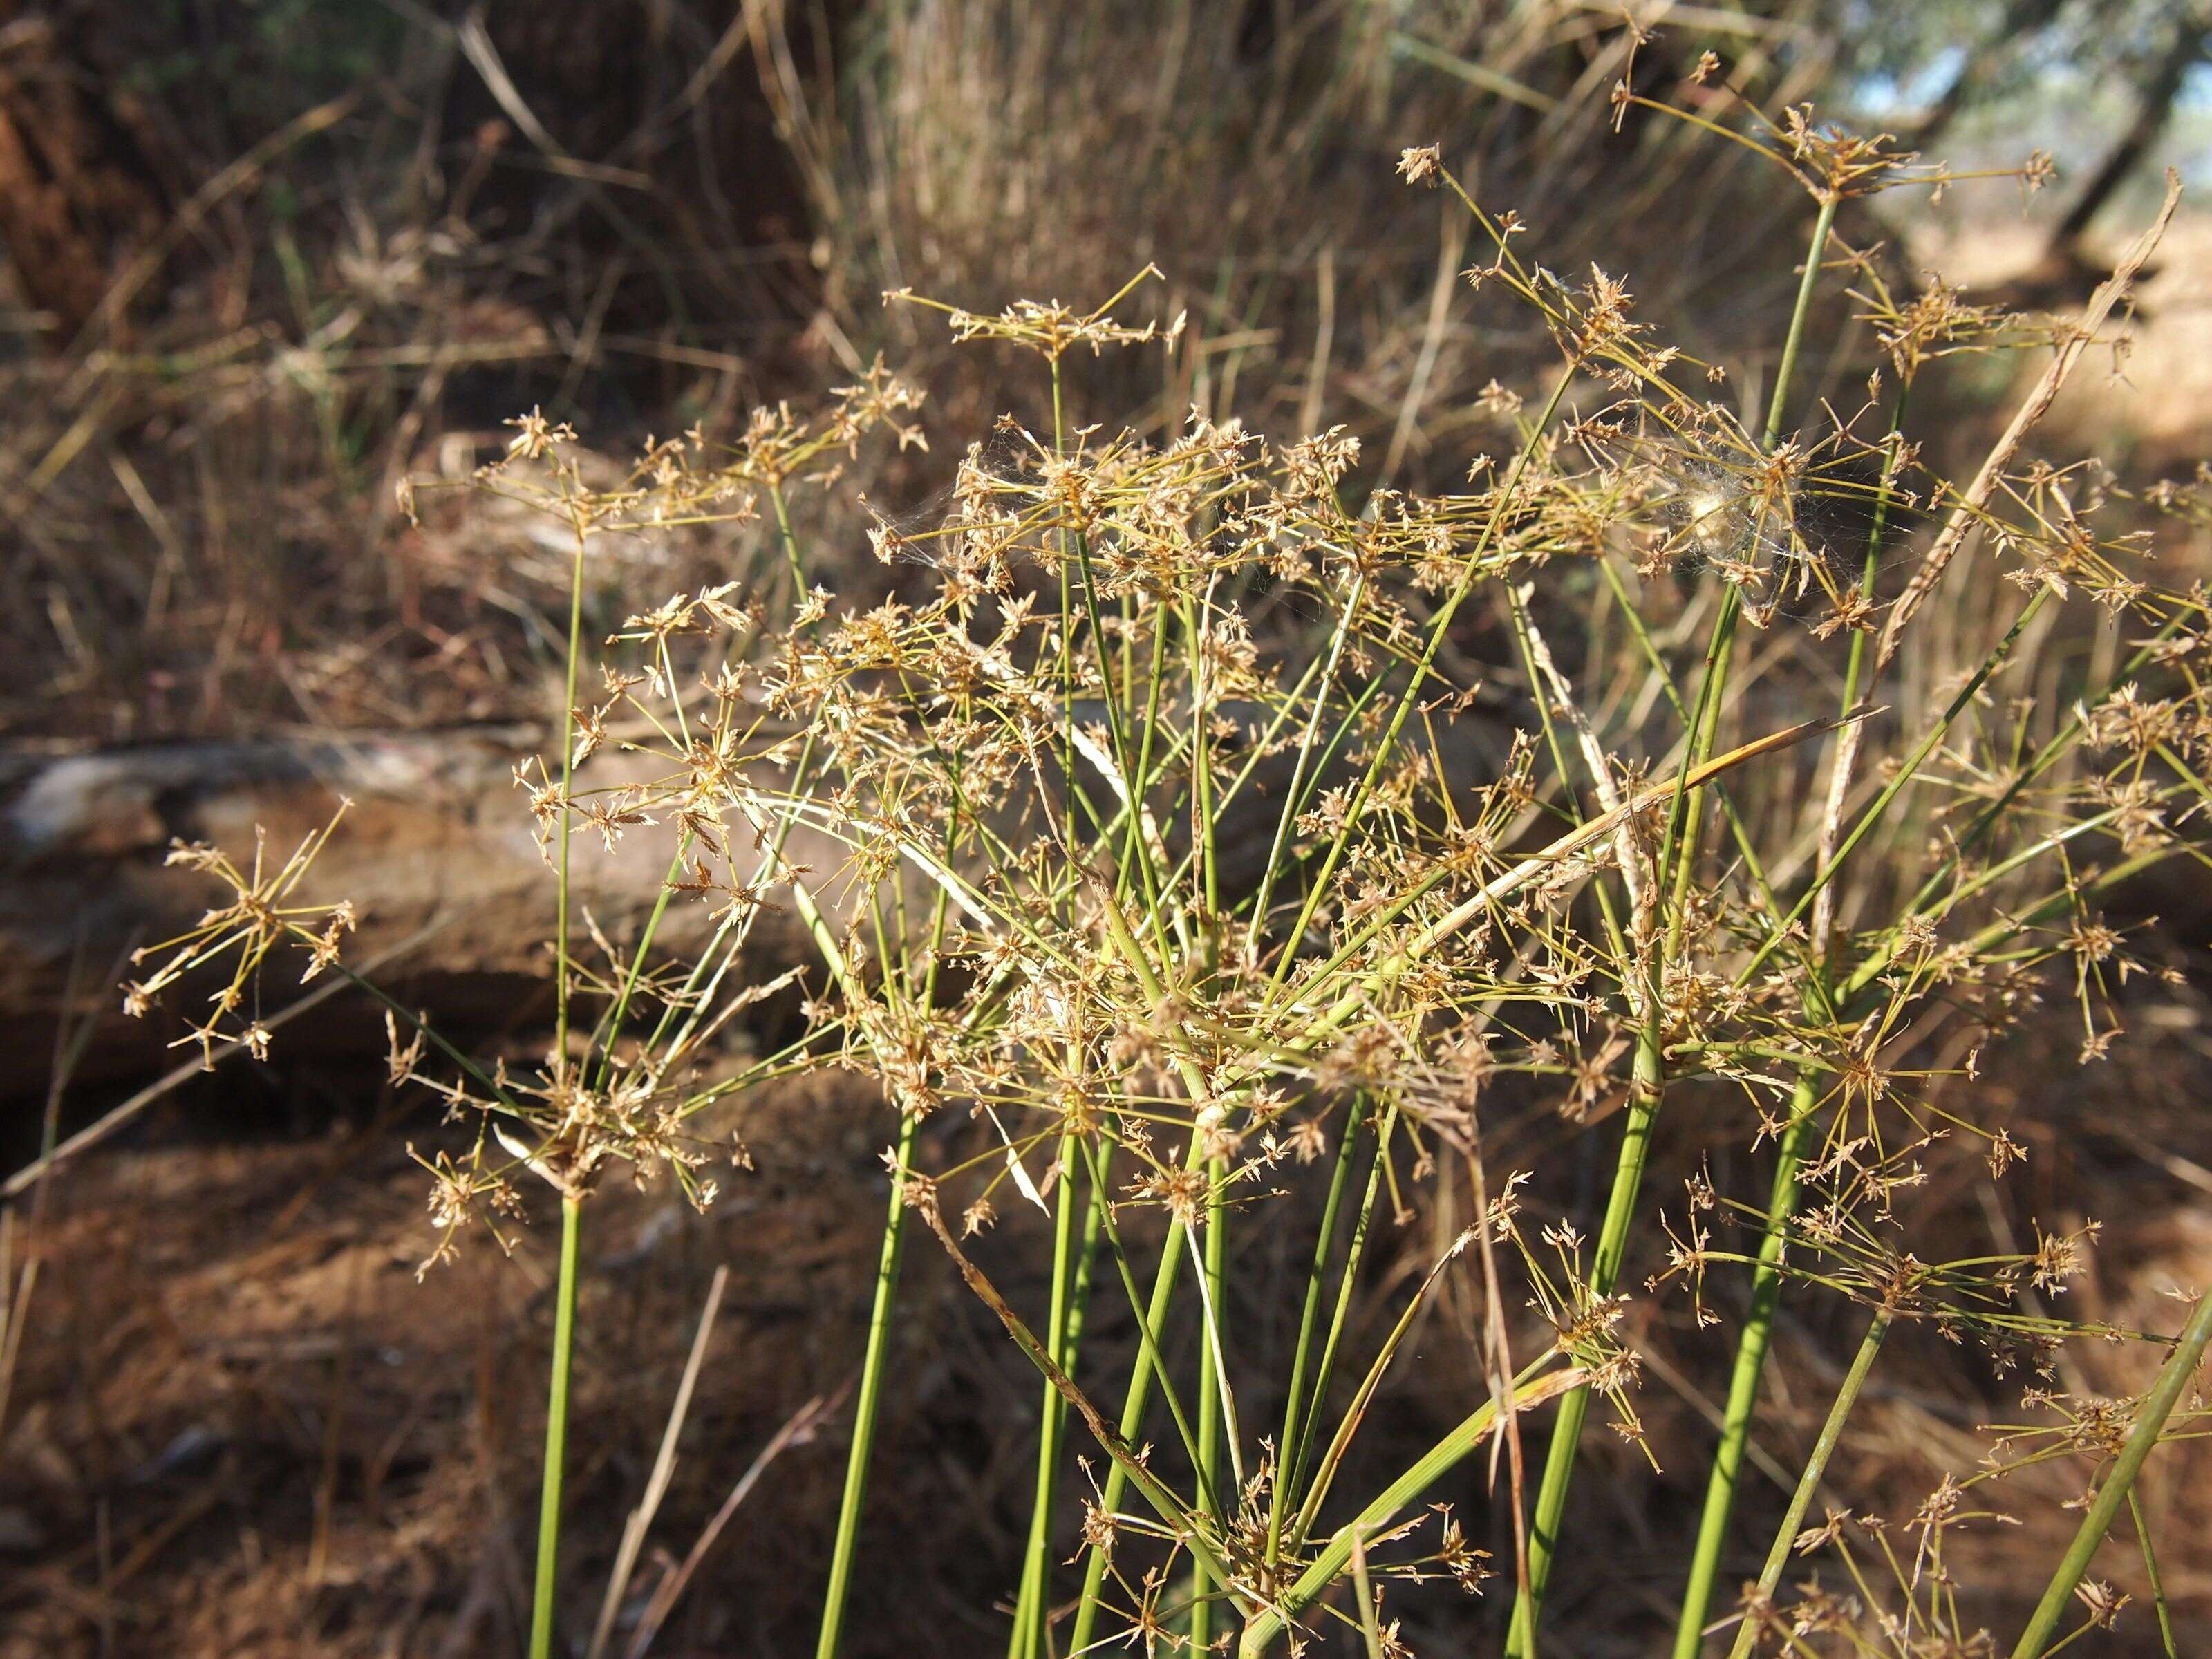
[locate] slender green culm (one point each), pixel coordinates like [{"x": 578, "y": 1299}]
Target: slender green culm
[
  {"x": 1296, "y": 1456},
  {"x": 1647, "y": 1085},
  {"x": 1744, "y": 1378},
  {"x": 544, "y": 1592},
  {"x": 1135, "y": 1402},
  {"x": 545, "y": 1587},
  {"x": 1797, "y": 1134},
  {"x": 1295, "y": 1407},
  {"x": 866, "y": 1404},
  {"x": 1214, "y": 1265},
  {"x": 565, "y": 727},
  {"x": 1809, "y": 1482},
  {"x": 2151, "y": 1577},
  {"x": 1028, "y": 1635},
  {"x": 2143, "y": 1439}
]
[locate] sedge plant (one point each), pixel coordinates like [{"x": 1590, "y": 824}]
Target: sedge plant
[{"x": 1194, "y": 873}]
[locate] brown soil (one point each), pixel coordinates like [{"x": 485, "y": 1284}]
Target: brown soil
[{"x": 242, "y": 1428}]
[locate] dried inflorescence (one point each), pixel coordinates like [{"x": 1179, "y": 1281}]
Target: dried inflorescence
[{"x": 262, "y": 911}]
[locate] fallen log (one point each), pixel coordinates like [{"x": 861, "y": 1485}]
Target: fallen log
[{"x": 438, "y": 842}]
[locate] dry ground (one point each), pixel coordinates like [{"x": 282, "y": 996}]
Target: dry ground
[{"x": 241, "y": 1426}]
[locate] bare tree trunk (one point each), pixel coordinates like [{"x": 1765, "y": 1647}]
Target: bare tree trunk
[
  {"x": 436, "y": 842},
  {"x": 1978, "y": 68},
  {"x": 2192, "y": 33}
]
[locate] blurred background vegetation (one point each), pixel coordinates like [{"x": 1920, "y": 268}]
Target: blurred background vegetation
[{"x": 269, "y": 254}]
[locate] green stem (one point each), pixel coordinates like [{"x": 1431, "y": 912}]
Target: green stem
[
  {"x": 1644, "y": 1095},
  {"x": 1209, "y": 1393},
  {"x": 864, "y": 1411},
  {"x": 1316, "y": 1276},
  {"x": 1147, "y": 1337},
  {"x": 1777, "y": 406},
  {"x": 1743, "y": 1384},
  {"x": 568, "y": 778},
  {"x": 556, "y": 1433},
  {"x": 1131, "y": 1426},
  {"x": 2150, "y": 1422},
  {"x": 564, "y": 1306},
  {"x": 1369, "y": 1633},
  {"x": 880, "y": 1316},
  {"x": 1832, "y": 1431},
  {"x": 1329, "y": 1562},
  {"x": 1766, "y": 1279},
  {"x": 2150, "y": 1572},
  {"x": 1294, "y": 1456},
  {"x": 1036, "y": 1555},
  {"x": 1647, "y": 1088},
  {"x": 1070, "y": 1278},
  {"x": 1685, "y": 821},
  {"x": 789, "y": 541}
]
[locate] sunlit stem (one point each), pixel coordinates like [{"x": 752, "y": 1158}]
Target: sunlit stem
[
  {"x": 556, "y": 1434},
  {"x": 1743, "y": 1382},
  {"x": 789, "y": 542},
  {"x": 1831, "y": 1432},
  {"x": 1647, "y": 1084},
  {"x": 567, "y": 728},
  {"x": 866, "y": 1405},
  {"x": 564, "y": 1306},
  {"x": 1294, "y": 1404},
  {"x": 1036, "y": 1555},
  {"x": 2151, "y": 1574},
  {"x": 1752, "y": 1343},
  {"x": 1295, "y": 1456},
  {"x": 1210, "y": 1383},
  {"x": 1070, "y": 1274},
  {"x": 891, "y": 1252},
  {"x": 2150, "y": 1422},
  {"x": 1132, "y": 1423}
]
